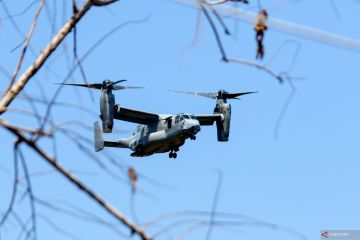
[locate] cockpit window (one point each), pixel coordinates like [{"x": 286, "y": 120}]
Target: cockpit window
[{"x": 182, "y": 116}]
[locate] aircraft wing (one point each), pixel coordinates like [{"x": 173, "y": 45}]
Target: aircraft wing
[
  {"x": 119, "y": 144},
  {"x": 135, "y": 116},
  {"x": 208, "y": 119}
]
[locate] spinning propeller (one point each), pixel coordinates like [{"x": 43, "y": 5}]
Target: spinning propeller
[
  {"x": 107, "y": 102},
  {"x": 106, "y": 84},
  {"x": 222, "y": 94}
]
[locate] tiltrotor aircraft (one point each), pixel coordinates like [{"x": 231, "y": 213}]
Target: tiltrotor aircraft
[{"x": 157, "y": 133}]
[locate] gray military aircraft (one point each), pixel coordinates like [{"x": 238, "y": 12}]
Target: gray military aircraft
[{"x": 157, "y": 133}]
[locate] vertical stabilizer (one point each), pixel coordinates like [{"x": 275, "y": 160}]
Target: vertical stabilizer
[{"x": 98, "y": 137}]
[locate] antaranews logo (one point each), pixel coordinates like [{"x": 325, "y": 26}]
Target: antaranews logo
[
  {"x": 340, "y": 234},
  {"x": 325, "y": 234}
]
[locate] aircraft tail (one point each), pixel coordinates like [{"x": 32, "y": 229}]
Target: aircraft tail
[{"x": 98, "y": 137}]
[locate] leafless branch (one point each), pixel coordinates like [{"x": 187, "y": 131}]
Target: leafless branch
[
  {"x": 51, "y": 172},
  {"x": 91, "y": 49},
  {"x": 262, "y": 67},
  {"x": 101, "y": 3},
  {"x": 196, "y": 224},
  {"x": 14, "y": 188},
  {"x": 216, "y": 2},
  {"x": 30, "y": 193},
  {"x": 43, "y": 101},
  {"x": 286, "y": 105},
  {"x": 214, "y": 29},
  {"x": 221, "y": 21},
  {"x": 285, "y": 77},
  {"x": 75, "y": 52},
  {"x": 44, "y": 55},
  {"x": 27, "y": 8},
  {"x": 79, "y": 213},
  {"x": 193, "y": 213},
  {"x": 258, "y": 66},
  {"x": 335, "y": 10},
  {"x": 91, "y": 194},
  {"x": 214, "y": 206},
  {"x": 57, "y": 228}
]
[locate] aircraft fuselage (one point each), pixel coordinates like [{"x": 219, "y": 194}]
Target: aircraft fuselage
[{"x": 167, "y": 134}]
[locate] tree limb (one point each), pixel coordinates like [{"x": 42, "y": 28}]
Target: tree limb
[
  {"x": 50, "y": 48},
  {"x": 100, "y": 3},
  {"x": 85, "y": 189},
  {"x": 258, "y": 66}
]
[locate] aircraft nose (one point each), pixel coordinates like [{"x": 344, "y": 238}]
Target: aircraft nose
[
  {"x": 192, "y": 124},
  {"x": 196, "y": 128}
]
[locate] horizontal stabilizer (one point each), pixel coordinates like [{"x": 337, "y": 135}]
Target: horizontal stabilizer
[{"x": 118, "y": 144}]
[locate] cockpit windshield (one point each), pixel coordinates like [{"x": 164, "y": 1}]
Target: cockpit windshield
[
  {"x": 182, "y": 116},
  {"x": 192, "y": 116}
]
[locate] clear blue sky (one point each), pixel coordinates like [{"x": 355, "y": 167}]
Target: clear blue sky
[{"x": 306, "y": 180}]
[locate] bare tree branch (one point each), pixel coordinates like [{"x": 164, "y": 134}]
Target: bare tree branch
[
  {"x": 192, "y": 213},
  {"x": 216, "y": 33},
  {"x": 31, "y": 194},
  {"x": 77, "y": 212},
  {"x": 214, "y": 205},
  {"x": 218, "y": 17},
  {"x": 94, "y": 196},
  {"x": 44, "y": 55},
  {"x": 22, "y": 12},
  {"x": 285, "y": 107},
  {"x": 100, "y": 3},
  {"x": 27, "y": 41},
  {"x": 262, "y": 67},
  {"x": 58, "y": 228},
  {"x": 258, "y": 66},
  {"x": 94, "y": 46},
  {"x": 14, "y": 188}
]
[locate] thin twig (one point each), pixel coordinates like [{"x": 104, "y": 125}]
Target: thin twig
[
  {"x": 186, "y": 213},
  {"x": 91, "y": 49},
  {"x": 28, "y": 7},
  {"x": 200, "y": 224},
  {"x": 221, "y": 21},
  {"x": 30, "y": 192},
  {"x": 76, "y": 56},
  {"x": 81, "y": 186},
  {"x": 79, "y": 213},
  {"x": 214, "y": 206},
  {"x": 258, "y": 66},
  {"x": 285, "y": 107},
  {"x": 335, "y": 10},
  {"x": 57, "y": 228},
  {"x": 26, "y": 44},
  {"x": 44, "y": 55},
  {"x": 213, "y": 28},
  {"x": 14, "y": 188}
]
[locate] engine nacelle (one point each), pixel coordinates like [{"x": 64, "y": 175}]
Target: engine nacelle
[
  {"x": 223, "y": 125},
  {"x": 107, "y": 103}
]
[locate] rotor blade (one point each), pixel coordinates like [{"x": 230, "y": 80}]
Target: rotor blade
[
  {"x": 235, "y": 95},
  {"x": 87, "y": 85},
  {"x": 208, "y": 95},
  {"x": 116, "y": 82},
  {"x": 117, "y": 87}
]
